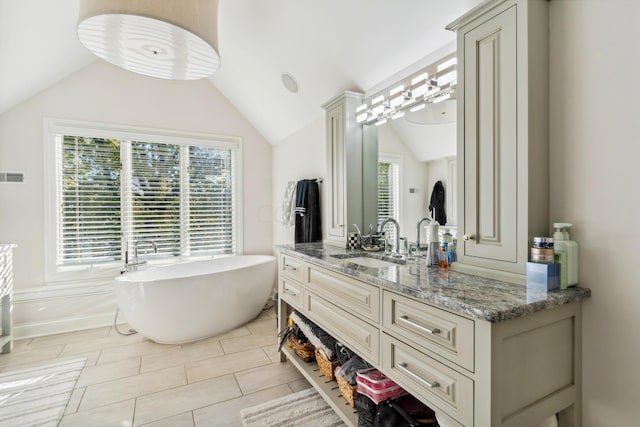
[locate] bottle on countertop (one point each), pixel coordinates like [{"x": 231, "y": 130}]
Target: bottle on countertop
[
  {"x": 444, "y": 256},
  {"x": 567, "y": 254},
  {"x": 451, "y": 251},
  {"x": 433, "y": 250}
]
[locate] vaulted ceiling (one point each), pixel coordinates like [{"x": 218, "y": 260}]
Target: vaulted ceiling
[{"x": 328, "y": 46}]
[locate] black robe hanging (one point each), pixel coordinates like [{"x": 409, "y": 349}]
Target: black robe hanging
[
  {"x": 436, "y": 206},
  {"x": 308, "y": 226}
]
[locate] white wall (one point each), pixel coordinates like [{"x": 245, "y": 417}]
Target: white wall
[
  {"x": 595, "y": 126},
  {"x": 302, "y": 155},
  {"x": 104, "y": 93}
]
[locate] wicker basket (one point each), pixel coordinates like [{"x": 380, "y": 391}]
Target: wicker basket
[
  {"x": 348, "y": 391},
  {"x": 327, "y": 367},
  {"x": 304, "y": 351}
]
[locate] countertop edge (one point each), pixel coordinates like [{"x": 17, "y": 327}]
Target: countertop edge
[{"x": 492, "y": 315}]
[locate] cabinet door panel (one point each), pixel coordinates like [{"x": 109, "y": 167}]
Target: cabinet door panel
[
  {"x": 293, "y": 268},
  {"x": 435, "y": 384},
  {"x": 292, "y": 292},
  {"x": 490, "y": 139},
  {"x": 436, "y": 330},
  {"x": 358, "y": 335},
  {"x": 352, "y": 295},
  {"x": 335, "y": 130}
]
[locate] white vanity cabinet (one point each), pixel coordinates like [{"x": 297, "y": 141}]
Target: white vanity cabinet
[
  {"x": 503, "y": 131},
  {"x": 344, "y": 184},
  {"x": 473, "y": 372},
  {"x": 6, "y": 295}
]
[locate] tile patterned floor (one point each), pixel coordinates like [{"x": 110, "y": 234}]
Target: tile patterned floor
[{"x": 132, "y": 381}]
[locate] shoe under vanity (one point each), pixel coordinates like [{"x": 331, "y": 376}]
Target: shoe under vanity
[{"x": 480, "y": 352}]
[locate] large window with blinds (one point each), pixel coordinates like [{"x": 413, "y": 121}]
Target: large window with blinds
[{"x": 109, "y": 191}]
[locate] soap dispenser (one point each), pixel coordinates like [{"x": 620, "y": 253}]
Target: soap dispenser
[{"x": 567, "y": 253}]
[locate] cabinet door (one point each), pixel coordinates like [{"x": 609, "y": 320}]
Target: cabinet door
[
  {"x": 490, "y": 139},
  {"x": 337, "y": 208}
]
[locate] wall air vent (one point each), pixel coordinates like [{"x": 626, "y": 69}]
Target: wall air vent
[{"x": 10, "y": 177}]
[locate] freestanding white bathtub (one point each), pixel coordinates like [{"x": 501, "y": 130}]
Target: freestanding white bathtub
[{"x": 196, "y": 300}]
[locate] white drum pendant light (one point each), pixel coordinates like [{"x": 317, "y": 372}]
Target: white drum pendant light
[{"x": 169, "y": 39}]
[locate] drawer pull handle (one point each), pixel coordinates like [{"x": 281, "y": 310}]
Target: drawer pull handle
[
  {"x": 288, "y": 291},
  {"x": 290, "y": 267},
  {"x": 405, "y": 368},
  {"x": 433, "y": 331}
]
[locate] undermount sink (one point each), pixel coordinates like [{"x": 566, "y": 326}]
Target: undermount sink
[{"x": 371, "y": 262}]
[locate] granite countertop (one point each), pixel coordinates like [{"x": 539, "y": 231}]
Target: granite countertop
[{"x": 473, "y": 296}]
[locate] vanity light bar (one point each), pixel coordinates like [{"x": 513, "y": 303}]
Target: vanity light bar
[{"x": 420, "y": 90}]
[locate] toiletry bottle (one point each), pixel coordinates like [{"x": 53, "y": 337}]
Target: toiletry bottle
[
  {"x": 451, "y": 251},
  {"x": 444, "y": 257},
  {"x": 567, "y": 254},
  {"x": 446, "y": 236}
]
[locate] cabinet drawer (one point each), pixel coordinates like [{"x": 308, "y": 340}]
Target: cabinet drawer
[
  {"x": 446, "y": 334},
  {"x": 292, "y": 267},
  {"x": 356, "y": 334},
  {"x": 291, "y": 291},
  {"x": 352, "y": 295},
  {"x": 428, "y": 379}
]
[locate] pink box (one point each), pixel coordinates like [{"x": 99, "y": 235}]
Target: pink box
[
  {"x": 374, "y": 379},
  {"x": 377, "y": 386}
]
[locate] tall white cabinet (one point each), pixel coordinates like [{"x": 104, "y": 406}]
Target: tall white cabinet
[
  {"x": 344, "y": 183},
  {"x": 502, "y": 135}
]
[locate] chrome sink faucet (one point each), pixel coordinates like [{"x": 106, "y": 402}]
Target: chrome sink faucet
[
  {"x": 396, "y": 246},
  {"x": 133, "y": 265}
]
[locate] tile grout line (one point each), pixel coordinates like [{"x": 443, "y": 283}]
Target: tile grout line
[{"x": 135, "y": 407}]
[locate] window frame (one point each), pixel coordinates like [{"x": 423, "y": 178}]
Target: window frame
[{"x": 53, "y": 127}]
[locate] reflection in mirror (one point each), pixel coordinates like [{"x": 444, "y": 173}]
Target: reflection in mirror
[
  {"x": 419, "y": 155},
  {"x": 413, "y": 124}
]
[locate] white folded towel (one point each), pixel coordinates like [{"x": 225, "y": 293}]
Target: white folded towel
[{"x": 289, "y": 205}]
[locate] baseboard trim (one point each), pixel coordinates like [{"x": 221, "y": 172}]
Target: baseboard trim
[
  {"x": 51, "y": 296},
  {"x": 32, "y": 330},
  {"x": 41, "y": 293}
]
